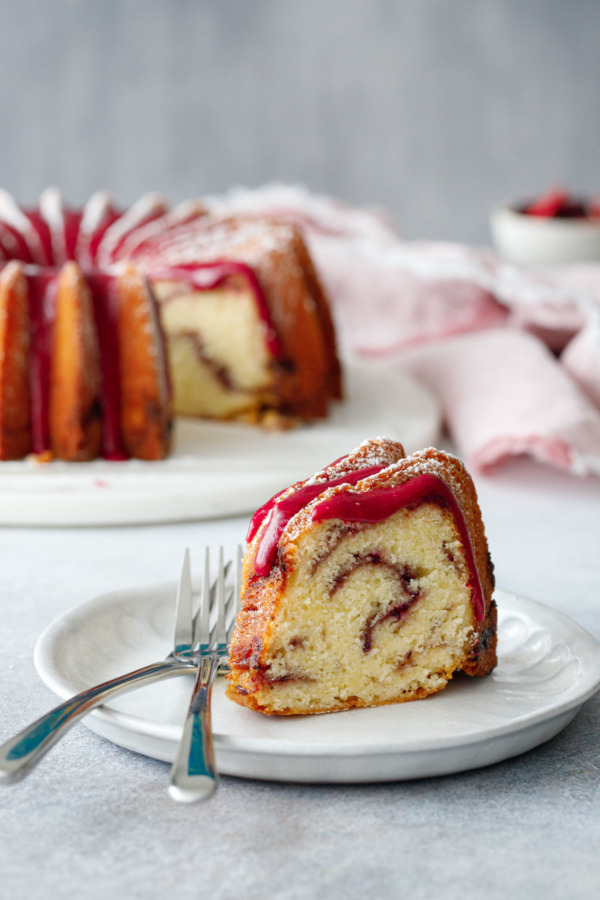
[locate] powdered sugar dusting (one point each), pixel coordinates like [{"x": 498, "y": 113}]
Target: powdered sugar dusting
[
  {"x": 148, "y": 206},
  {"x": 14, "y": 216},
  {"x": 377, "y": 451},
  {"x": 157, "y": 229},
  {"x": 52, "y": 210},
  {"x": 294, "y": 204},
  {"x": 210, "y": 238},
  {"x": 96, "y": 213}
]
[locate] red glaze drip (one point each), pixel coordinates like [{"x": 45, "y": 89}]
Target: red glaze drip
[
  {"x": 72, "y": 221},
  {"x": 146, "y": 220},
  {"x": 13, "y": 243},
  {"x": 42, "y": 297},
  {"x": 43, "y": 233},
  {"x": 281, "y": 512},
  {"x": 380, "y": 503},
  {"x": 141, "y": 244},
  {"x": 102, "y": 287},
  {"x": 261, "y": 514},
  {"x": 208, "y": 276},
  {"x": 96, "y": 237}
]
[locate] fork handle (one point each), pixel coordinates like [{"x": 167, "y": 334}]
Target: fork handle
[
  {"x": 20, "y": 754},
  {"x": 194, "y": 774}
]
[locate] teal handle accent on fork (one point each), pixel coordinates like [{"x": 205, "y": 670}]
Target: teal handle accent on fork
[
  {"x": 194, "y": 774},
  {"x": 21, "y": 753}
]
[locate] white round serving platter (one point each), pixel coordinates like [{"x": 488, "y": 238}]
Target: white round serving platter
[
  {"x": 220, "y": 469},
  {"x": 548, "y": 666}
]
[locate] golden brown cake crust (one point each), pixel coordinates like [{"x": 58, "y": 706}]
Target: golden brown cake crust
[
  {"x": 146, "y": 418},
  {"x": 261, "y": 595},
  {"x": 309, "y": 375},
  {"x": 74, "y": 405},
  {"x": 74, "y": 409},
  {"x": 15, "y": 404}
]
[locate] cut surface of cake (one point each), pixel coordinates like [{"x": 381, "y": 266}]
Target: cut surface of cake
[
  {"x": 248, "y": 329},
  {"x": 369, "y": 583}
]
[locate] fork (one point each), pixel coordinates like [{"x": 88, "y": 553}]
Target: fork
[
  {"x": 194, "y": 773},
  {"x": 20, "y": 754}
]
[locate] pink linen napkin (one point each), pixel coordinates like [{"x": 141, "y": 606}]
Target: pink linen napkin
[
  {"x": 484, "y": 335},
  {"x": 503, "y": 393}
]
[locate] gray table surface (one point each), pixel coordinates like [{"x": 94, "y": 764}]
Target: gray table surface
[{"x": 95, "y": 821}]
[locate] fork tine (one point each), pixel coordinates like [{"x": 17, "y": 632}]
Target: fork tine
[
  {"x": 185, "y": 614},
  {"x": 233, "y": 605},
  {"x": 221, "y": 633},
  {"x": 238, "y": 578},
  {"x": 232, "y": 597},
  {"x": 202, "y": 637},
  {"x": 194, "y": 775}
]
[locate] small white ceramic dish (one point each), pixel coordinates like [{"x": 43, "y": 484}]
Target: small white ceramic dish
[
  {"x": 220, "y": 469},
  {"x": 548, "y": 666},
  {"x": 536, "y": 240}
]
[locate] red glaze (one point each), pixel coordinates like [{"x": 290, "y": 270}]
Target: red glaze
[
  {"x": 261, "y": 514},
  {"x": 63, "y": 228},
  {"x": 281, "y": 512},
  {"x": 141, "y": 240},
  {"x": 95, "y": 239},
  {"x": 208, "y": 276},
  {"x": 103, "y": 287},
  {"x": 42, "y": 297},
  {"x": 13, "y": 243},
  {"x": 380, "y": 503},
  {"x": 146, "y": 220},
  {"x": 40, "y": 226},
  {"x": 72, "y": 221}
]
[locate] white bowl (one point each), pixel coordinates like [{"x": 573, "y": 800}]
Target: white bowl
[{"x": 534, "y": 240}]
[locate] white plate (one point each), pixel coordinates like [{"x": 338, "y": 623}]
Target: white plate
[
  {"x": 219, "y": 469},
  {"x": 548, "y": 666}
]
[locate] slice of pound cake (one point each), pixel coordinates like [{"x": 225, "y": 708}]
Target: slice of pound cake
[{"x": 369, "y": 583}]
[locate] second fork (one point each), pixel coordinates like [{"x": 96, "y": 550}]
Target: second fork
[{"x": 194, "y": 774}]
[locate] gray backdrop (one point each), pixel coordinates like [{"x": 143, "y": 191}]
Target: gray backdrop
[{"x": 436, "y": 109}]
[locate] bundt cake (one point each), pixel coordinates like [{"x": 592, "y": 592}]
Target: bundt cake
[
  {"x": 369, "y": 583},
  {"x": 248, "y": 327}
]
